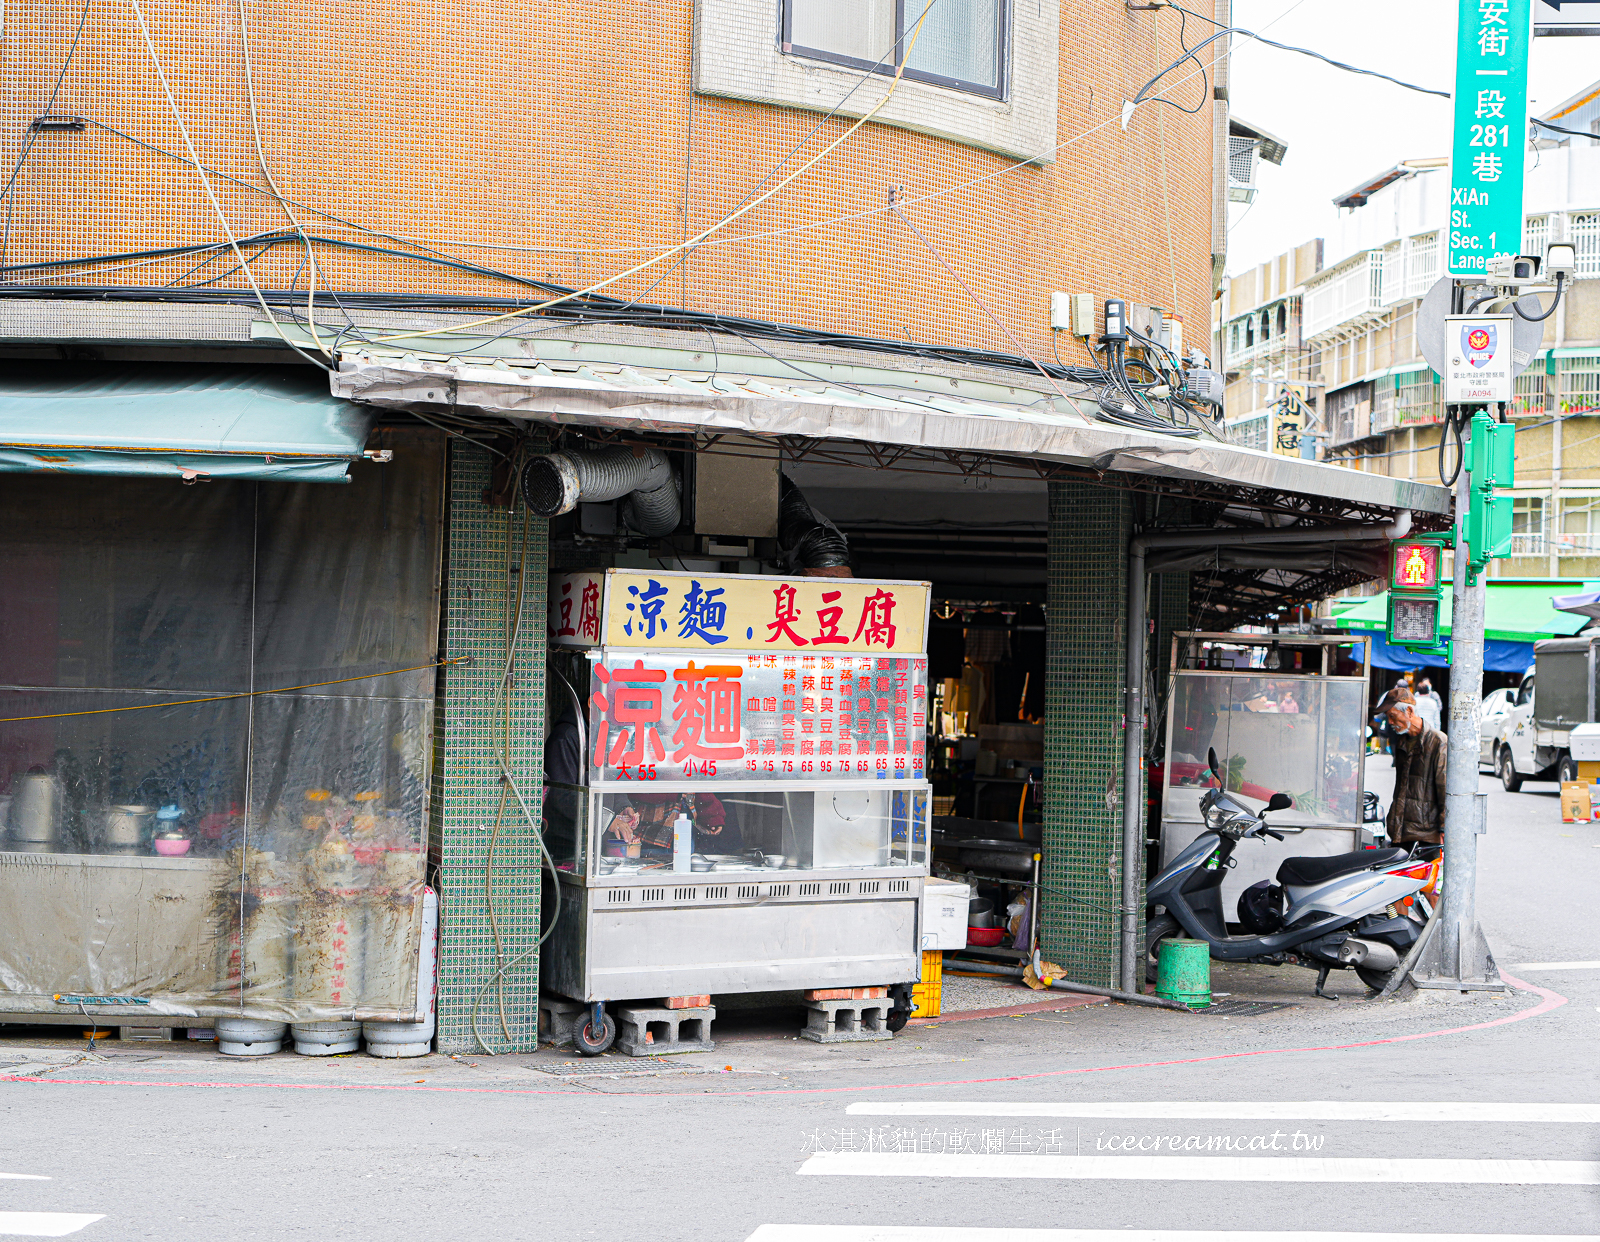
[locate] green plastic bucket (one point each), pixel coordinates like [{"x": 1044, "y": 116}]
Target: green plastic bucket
[{"x": 1183, "y": 972}]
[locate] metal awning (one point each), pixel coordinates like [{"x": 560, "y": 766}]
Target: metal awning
[
  {"x": 177, "y": 420},
  {"x": 911, "y": 410}
]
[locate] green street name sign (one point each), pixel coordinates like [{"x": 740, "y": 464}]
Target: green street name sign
[{"x": 1491, "y": 133}]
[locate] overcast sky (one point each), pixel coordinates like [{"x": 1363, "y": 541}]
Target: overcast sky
[{"x": 1341, "y": 128}]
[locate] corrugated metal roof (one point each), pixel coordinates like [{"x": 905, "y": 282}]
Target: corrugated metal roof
[{"x": 1048, "y": 427}]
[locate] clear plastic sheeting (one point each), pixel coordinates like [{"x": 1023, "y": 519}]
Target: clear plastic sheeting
[{"x": 200, "y": 820}]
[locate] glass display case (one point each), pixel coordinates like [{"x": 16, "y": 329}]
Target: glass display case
[
  {"x": 742, "y": 820},
  {"x": 1284, "y": 713}
]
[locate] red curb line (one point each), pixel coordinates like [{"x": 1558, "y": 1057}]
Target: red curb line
[{"x": 1552, "y": 1000}]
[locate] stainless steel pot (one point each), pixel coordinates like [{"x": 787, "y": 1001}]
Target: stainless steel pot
[
  {"x": 36, "y": 808},
  {"x": 127, "y": 825}
]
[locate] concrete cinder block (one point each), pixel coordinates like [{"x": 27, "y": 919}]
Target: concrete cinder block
[
  {"x": 649, "y": 1031},
  {"x": 557, "y": 1015},
  {"x": 847, "y": 1021}
]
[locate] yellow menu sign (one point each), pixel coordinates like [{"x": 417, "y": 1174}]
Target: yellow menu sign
[{"x": 653, "y": 610}]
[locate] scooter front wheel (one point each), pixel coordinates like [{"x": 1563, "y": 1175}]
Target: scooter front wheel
[{"x": 1163, "y": 927}]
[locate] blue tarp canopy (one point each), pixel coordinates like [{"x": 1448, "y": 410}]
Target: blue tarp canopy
[
  {"x": 1517, "y": 614},
  {"x": 177, "y": 420},
  {"x": 1499, "y": 656}
]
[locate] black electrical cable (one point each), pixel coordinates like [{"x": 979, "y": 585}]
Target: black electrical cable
[
  {"x": 1205, "y": 80},
  {"x": 1304, "y": 51},
  {"x": 1454, "y": 423},
  {"x": 1557, "y": 129},
  {"x": 1521, "y": 314}
]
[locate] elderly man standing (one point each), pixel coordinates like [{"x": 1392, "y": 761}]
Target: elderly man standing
[{"x": 1417, "y": 811}]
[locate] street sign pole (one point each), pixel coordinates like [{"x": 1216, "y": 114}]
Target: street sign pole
[{"x": 1486, "y": 171}]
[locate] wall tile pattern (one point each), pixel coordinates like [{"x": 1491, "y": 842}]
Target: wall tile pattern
[
  {"x": 1084, "y": 661},
  {"x": 483, "y": 546},
  {"x": 564, "y": 142}
]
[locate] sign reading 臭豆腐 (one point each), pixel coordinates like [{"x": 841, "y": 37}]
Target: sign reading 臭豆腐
[{"x": 653, "y": 610}]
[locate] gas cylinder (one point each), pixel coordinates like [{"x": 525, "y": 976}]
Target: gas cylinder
[{"x": 413, "y": 1039}]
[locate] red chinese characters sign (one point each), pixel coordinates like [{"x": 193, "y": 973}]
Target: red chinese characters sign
[
  {"x": 659, "y": 611},
  {"x": 758, "y": 717}
]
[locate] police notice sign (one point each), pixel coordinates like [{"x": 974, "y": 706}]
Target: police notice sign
[{"x": 1478, "y": 358}]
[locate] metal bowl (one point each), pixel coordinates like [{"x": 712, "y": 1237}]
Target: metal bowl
[{"x": 773, "y": 860}]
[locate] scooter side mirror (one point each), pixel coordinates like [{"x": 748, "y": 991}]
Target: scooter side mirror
[
  {"x": 1279, "y": 802},
  {"x": 1215, "y": 767}
]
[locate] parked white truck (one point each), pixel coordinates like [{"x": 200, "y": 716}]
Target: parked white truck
[{"x": 1532, "y": 736}]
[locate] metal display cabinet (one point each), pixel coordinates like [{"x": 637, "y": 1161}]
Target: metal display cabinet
[
  {"x": 836, "y": 906},
  {"x": 1299, "y": 730},
  {"x": 755, "y": 808}
]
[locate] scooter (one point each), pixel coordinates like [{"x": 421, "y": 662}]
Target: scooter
[{"x": 1333, "y": 912}]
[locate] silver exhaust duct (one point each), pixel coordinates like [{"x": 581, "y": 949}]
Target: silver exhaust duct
[{"x": 557, "y": 483}]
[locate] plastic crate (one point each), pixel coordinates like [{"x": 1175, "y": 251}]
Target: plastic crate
[{"x": 926, "y": 995}]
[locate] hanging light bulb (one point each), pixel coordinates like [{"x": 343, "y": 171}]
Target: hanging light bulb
[{"x": 1273, "y": 659}]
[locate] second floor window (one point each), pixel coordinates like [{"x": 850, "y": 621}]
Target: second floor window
[{"x": 961, "y": 43}]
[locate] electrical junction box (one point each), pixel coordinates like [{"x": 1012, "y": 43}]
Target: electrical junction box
[
  {"x": 1072, "y": 312},
  {"x": 1477, "y": 358}
]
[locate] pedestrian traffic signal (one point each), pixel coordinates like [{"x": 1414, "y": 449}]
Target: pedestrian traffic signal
[{"x": 1415, "y": 593}]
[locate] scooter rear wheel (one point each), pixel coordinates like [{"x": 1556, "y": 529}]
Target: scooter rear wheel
[
  {"x": 1377, "y": 980},
  {"x": 1156, "y": 930}
]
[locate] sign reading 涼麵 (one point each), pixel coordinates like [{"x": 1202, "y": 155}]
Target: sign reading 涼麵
[
  {"x": 654, "y": 610},
  {"x": 778, "y": 716}
]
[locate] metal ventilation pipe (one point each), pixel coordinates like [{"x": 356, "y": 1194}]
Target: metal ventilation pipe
[
  {"x": 808, "y": 540},
  {"x": 557, "y": 483}
]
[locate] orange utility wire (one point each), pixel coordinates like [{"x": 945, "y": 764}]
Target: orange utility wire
[{"x": 245, "y": 694}]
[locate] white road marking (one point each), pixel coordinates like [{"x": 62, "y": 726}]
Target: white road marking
[
  {"x": 1558, "y": 966},
  {"x": 1223, "y": 1110},
  {"x": 44, "y": 1224},
  {"x": 25, "y": 1177},
  {"x": 947, "y": 1233},
  {"x": 1209, "y": 1168}
]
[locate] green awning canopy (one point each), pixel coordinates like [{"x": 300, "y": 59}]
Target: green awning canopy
[
  {"x": 1518, "y": 612},
  {"x": 177, "y": 420}
]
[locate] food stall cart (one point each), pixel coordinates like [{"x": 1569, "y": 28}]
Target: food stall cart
[
  {"x": 1284, "y": 712},
  {"x": 752, "y": 807}
]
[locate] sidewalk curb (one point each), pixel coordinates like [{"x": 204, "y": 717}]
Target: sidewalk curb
[{"x": 1049, "y": 1006}]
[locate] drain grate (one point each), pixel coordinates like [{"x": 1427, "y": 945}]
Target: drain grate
[
  {"x": 620, "y": 1065},
  {"x": 1244, "y": 1009}
]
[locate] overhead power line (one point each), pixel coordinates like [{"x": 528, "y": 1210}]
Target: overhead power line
[{"x": 1144, "y": 91}]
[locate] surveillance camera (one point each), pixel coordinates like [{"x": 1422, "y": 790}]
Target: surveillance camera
[
  {"x": 1506, "y": 269},
  {"x": 1561, "y": 259}
]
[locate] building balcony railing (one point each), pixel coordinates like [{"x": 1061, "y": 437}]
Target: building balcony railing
[
  {"x": 1585, "y": 544},
  {"x": 1562, "y": 544}
]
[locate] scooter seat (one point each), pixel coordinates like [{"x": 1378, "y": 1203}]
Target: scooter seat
[{"x": 1315, "y": 869}]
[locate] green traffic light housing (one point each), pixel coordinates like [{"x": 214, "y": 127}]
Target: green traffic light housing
[{"x": 1415, "y": 592}]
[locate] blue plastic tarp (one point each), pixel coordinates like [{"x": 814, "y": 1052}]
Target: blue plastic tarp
[
  {"x": 178, "y": 420},
  {"x": 1499, "y": 655}
]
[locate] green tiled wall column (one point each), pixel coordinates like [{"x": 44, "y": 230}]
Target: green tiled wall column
[
  {"x": 482, "y": 897},
  {"x": 1089, "y": 532},
  {"x": 1169, "y": 600}
]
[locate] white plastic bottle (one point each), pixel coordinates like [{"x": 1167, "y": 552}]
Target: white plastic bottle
[{"x": 682, "y": 842}]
